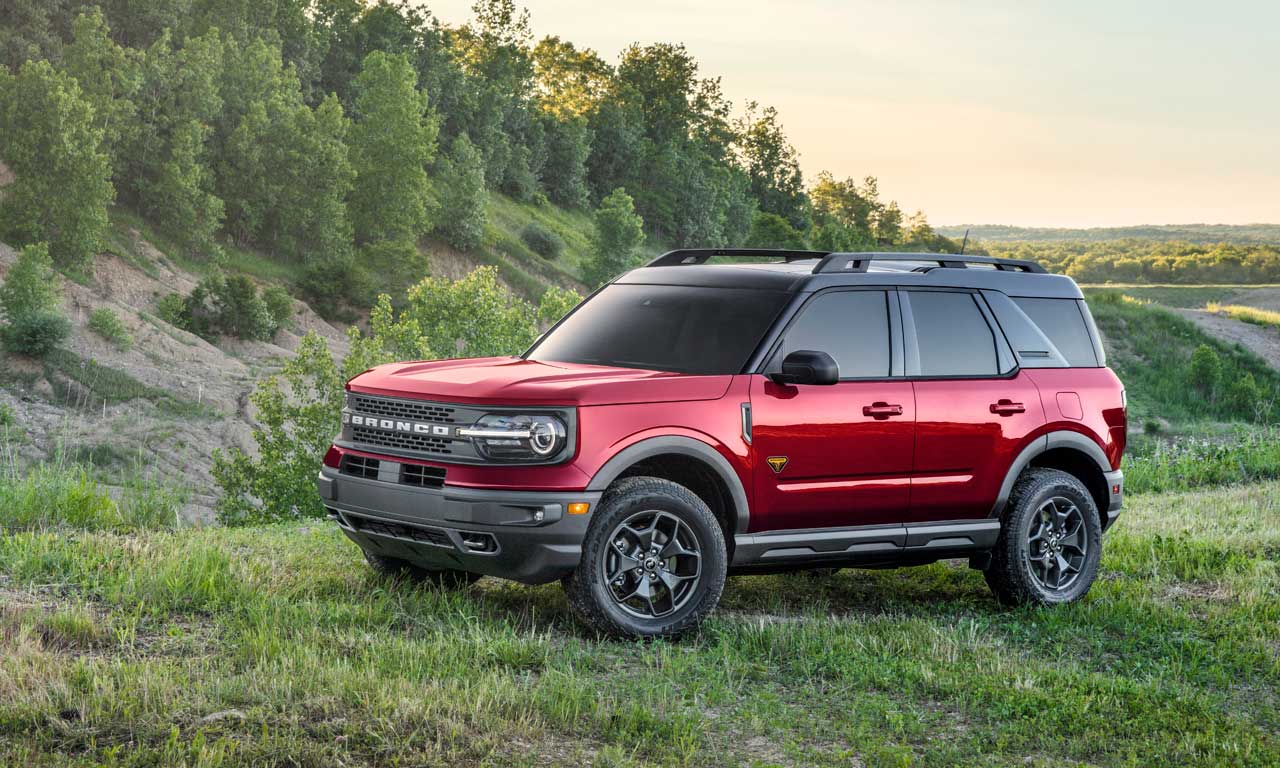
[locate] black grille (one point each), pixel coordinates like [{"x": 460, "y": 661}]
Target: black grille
[
  {"x": 402, "y": 409},
  {"x": 404, "y": 440},
  {"x": 423, "y": 477},
  {"x": 425, "y": 535},
  {"x": 360, "y": 466}
]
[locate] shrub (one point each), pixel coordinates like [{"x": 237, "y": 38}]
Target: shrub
[
  {"x": 542, "y": 241},
  {"x": 32, "y": 308},
  {"x": 279, "y": 305},
  {"x": 1206, "y": 371},
  {"x": 104, "y": 322},
  {"x": 329, "y": 281},
  {"x": 227, "y": 306},
  {"x": 618, "y": 236}
]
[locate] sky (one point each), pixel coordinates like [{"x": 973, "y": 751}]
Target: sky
[{"x": 1071, "y": 113}]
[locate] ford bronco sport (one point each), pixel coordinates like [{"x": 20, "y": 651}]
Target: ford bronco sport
[{"x": 693, "y": 420}]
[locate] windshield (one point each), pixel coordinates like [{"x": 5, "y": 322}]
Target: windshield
[{"x": 674, "y": 328}]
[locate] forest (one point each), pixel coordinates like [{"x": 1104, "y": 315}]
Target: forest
[
  {"x": 1149, "y": 261},
  {"x": 335, "y": 135}
]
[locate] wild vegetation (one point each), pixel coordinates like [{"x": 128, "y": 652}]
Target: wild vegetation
[{"x": 1150, "y": 261}]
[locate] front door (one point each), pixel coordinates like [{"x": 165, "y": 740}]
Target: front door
[{"x": 836, "y": 455}]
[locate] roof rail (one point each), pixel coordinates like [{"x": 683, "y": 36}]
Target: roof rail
[
  {"x": 691, "y": 256},
  {"x": 859, "y": 262}
]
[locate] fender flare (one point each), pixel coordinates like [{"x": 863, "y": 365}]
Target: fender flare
[
  {"x": 1058, "y": 439},
  {"x": 683, "y": 446}
]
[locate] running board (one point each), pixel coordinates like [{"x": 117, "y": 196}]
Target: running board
[{"x": 871, "y": 541}]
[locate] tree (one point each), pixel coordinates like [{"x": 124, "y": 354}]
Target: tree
[
  {"x": 464, "y": 201},
  {"x": 392, "y": 141},
  {"x": 1206, "y": 371},
  {"x": 63, "y": 186},
  {"x": 31, "y": 306},
  {"x": 618, "y": 236},
  {"x": 569, "y": 82},
  {"x": 556, "y": 302},
  {"x": 773, "y": 165},
  {"x": 769, "y": 230},
  {"x": 564, "y": 172},
  {"x": 109, "y": 77},
  {"x": 472, "y": 317}
]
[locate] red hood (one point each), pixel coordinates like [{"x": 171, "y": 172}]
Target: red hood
[{"x": 512, "y": 380}]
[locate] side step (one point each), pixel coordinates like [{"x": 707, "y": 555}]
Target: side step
[{"x": 875, "y": 542}]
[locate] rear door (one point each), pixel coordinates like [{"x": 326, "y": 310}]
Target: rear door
[
  {"x": 974, "y": 407},
  {"x": 838, "y": 455}
]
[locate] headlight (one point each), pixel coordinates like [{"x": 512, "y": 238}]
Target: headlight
[{"x": 517, "y": 437}]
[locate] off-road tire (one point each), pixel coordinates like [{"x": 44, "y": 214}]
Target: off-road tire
[
  {"x": 589, "y": 595},
  {"x": 1010, "y": 573},
  {"x": 444, "y": 578}
]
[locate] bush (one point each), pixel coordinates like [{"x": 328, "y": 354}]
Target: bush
[
  {"x": 331, "y": 280},
  {"x": 173, "y": 310},
  {"x": 542, "y": 241},
  {"x": 1206, "y": 371},
  {"x": 104, "y": 322},
  {"x": 279, "y": 305},
  {"x": 31, "y": 305},
  {"x": 228, "y": 306}
]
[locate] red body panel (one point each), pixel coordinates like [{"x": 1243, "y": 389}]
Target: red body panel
[
  {"x": 943, "y": 457},
  {"x": 843, "y": 467}
]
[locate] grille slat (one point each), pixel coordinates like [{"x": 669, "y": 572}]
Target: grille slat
[
  {"x": 403, "y": 409},
  {"x": 403, "y": 440}
]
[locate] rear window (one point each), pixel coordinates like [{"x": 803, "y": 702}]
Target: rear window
[
  {"x": 1063, "y": 321},
  {"x": 952, "y": 335},
  {"x": 681, "y": 329}
]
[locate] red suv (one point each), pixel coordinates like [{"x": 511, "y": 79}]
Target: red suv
[{"x": 690, "y": 421}]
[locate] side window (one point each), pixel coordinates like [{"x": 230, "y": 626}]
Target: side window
[
  {"x": 1062, "y": 321},
  {"x": 851, "y": 326},
  {"x": 952, "y": 335}
]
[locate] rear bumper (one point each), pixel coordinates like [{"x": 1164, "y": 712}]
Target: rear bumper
[
  {"x": 525, "y": 536},
  {"x": 1115, "y": 490}
]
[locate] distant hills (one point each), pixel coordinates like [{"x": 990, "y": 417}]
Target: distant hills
[{"x": 1193, "y": 233}]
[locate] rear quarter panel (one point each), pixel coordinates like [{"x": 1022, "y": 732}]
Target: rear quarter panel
[{"x": 1085, "y": 400}]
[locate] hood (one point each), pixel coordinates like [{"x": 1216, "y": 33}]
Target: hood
[{"x": 516, "y": 381}]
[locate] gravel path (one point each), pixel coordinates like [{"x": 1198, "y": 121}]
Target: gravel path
[{"x": 1262, "y": 341}]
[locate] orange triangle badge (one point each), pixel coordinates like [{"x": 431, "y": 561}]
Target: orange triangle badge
[{"x": 777, "y": 463}]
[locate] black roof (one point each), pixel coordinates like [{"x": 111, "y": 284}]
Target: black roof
[{"x": 803, "y": 271}]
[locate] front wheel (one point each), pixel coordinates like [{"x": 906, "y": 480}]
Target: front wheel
[
  {"x": 653, "y": 561},
  {"x": 1050, "y": 542}
]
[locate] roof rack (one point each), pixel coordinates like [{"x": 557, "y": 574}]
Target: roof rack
[
  {"x": 690, "y": 256},
  {"x": 859, "y": 262}
]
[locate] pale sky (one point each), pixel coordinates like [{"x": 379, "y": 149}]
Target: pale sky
[{"x": 1028, "y": 112}]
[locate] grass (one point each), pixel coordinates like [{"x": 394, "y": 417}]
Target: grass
[
  {"x": 101, "y": 384},
  {"x": 61, "y": 494},
  {"x": 1263, "y": 317},
  {"x": 1181, "y": 296},
  {"x": 1180, "y": 463},
  {"x": 1150, "y": 349},
  {"x": 276, "y": 646}
]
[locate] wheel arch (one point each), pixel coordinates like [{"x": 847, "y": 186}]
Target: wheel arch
[
  {"x": 1070, "y": 452},
  {"x": 692, "y": 463}
]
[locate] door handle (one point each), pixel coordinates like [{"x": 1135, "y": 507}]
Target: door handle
[
  {"x": 1006, "y": 407},
  {"x": 879, "y": 410}
]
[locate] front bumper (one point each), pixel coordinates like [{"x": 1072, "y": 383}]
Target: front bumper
[{"x": 525, "y": 536}]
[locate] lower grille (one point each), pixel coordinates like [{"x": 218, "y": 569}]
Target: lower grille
[
  {"x": 402, "y": 440},
  {"x": 425, "y": 535},
  {"x": 360, "y": 466},
  {"x": 422, "y": 477}
]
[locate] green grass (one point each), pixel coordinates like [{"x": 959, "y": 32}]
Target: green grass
[
  {"x": 61, "y": 494},
  {"x": 1263, "y": 317},
  {"x": 276, "y": 646},
  {"x": 1179, "y": 463},
  {"x": 1150, "y": 348}
]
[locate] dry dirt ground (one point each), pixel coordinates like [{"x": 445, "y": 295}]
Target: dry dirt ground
[
  {"x": 1262, "y": 341},
  {"x": 55, "y": 413}
]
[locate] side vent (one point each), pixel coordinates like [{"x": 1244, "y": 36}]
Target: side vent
[{"x": 421, "y": 476}]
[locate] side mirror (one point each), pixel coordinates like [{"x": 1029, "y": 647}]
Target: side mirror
[{"x": 805, "y": 366}]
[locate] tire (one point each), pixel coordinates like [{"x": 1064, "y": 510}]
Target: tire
[
  {"x": 444, "y": 578},
  {"x": 667, "y": 599},
  {"x": 1028, "y": 557}
]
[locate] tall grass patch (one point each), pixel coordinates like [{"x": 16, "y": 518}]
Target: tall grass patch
[{"x": 56, "y": 494}]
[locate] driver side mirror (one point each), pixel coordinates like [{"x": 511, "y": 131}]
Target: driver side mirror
[{"x": 805, "y": 366}]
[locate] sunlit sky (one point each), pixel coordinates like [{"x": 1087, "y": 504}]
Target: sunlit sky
[{"x": 1029, "y": 112}]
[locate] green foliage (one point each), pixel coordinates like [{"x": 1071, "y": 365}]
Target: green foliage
[
  {"x": 1181, "y": 464},
  {"x": 54, "y": 495},
  {"x": 773, "y": 165},
  {"x": 619, "y": 235},
  {"x": 1205, "y": 371},
  {"x": 1152, "y": 351},
  {"x": 464, "y": 200},
  {"x": 472, "y": 317},
  {"x": 49, "y": 140},
  {"x": 110, "y": 77},
  {"x": 228, "y": 305},
  {"x": 1149, "y": 261},
  {"x": 769, "y": 230},
  {"x": 392, "y": 141},
  {"x": 297, "y": 415},
  {"x": 556, "y": 302},
  {"x": 31, "y": 306},
  {"x": 542, "y": 241},
  {"x": 107, "y": 324}
]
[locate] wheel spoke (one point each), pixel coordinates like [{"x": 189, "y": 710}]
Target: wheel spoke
[
  {"x": 622, "y": 564},
  {"x": 658, "y": 567},
  {"x": 1057, "y": 543}
]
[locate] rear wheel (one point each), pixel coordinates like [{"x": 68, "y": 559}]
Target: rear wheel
[
  {"x": 395, "y": 568},
  {"x": 653, "y": 561},
  {"x": 1050, "y": 541}
]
